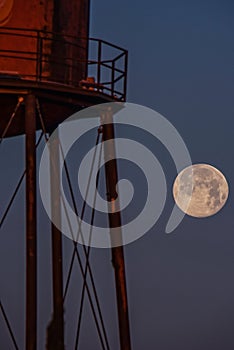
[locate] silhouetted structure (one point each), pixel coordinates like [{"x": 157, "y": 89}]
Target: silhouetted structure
[{"x": 45, "y": 68}]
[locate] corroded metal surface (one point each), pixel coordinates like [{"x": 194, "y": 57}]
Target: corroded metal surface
[{"x": 53, "y": 16}]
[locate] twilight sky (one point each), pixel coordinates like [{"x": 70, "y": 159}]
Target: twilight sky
[
  {"x": 181, "y": 286},
  {"x": 181, "y": 56}
]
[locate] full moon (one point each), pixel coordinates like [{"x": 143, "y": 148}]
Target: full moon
[{"x": 200, "y": 190}]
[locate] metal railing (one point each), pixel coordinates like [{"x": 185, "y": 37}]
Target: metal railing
[{"x": 87, "y": 63}]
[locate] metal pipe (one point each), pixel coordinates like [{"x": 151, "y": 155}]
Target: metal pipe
[
  {"x": 125, "y": 75},
  {"x": 31, "y": 235},
  {"x": 55, "y": 338},
  {"x": 99, "y": 62},
  {"x": 113, "y": 78},
  {"x": 115, "y": 222}
]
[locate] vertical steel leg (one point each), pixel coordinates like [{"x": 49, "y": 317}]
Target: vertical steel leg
[
  {"x": 56, "y": 328},
  {"x": 115, "y": 222},
  {"x": 31, "y": 236}
]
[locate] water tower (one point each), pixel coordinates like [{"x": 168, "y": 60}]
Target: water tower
[{"x": 49, "y": 66}]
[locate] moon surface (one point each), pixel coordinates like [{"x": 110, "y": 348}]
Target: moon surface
[{"x": 200, "y": 190}]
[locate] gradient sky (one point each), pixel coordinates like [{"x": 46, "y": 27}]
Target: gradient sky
[
  {"x": 181, "y": 64},
  {"x": 181, "y": 286}
]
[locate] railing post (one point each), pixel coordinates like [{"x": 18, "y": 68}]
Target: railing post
[
  {"x": 99, "y": 63},
  {"x": 113, "y": 78},
  {"x": 37, "y": 62},
  {"x": 39, "y": 56},
  {"x": 125, "y": 75}
]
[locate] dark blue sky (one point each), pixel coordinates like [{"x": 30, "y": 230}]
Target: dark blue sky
[
  {"x": 181, "y": 63},
  {"x": 181, "y": 286}
]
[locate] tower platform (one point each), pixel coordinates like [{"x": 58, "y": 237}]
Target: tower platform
[{"x": 53, "y": 79}]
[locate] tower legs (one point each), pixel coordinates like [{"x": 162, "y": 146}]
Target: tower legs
[
  {"x": 115, "y": 222},
  {"x": 31, "y": 235},
  {"x": 56, "y": 328}
]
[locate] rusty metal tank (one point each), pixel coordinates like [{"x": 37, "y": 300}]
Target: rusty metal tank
[
  {"x": 45, "y": 49},
  {"x": 49, "y": 36}
]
